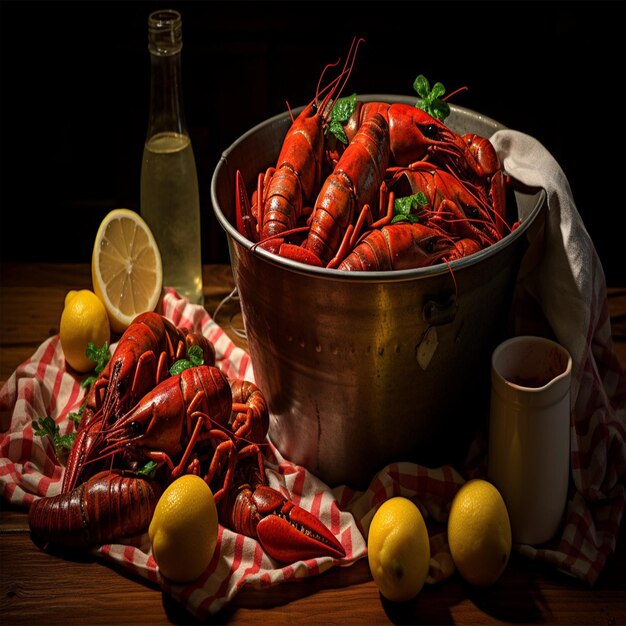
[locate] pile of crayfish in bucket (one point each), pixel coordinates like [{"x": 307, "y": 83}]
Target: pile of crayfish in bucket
[
  {"x": 161, "y": 408},
  {"x": 373, "y": 186}
]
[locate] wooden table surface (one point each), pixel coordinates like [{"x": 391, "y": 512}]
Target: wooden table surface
[{"x": 37, "y": 587}]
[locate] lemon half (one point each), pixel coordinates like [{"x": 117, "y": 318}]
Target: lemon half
[{"x": 126, "y": 267}]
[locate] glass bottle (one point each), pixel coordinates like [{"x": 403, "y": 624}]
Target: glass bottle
[{"x": 170, "y": 201}]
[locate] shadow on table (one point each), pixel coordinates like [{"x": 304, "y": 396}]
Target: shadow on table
[
  {"x": 516, "y": 598},
  {"x": 272, "y": 597},
  {"x": 513, "y": 599}
]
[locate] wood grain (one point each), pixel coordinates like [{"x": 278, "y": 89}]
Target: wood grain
[{"x": 41, "y": 587}]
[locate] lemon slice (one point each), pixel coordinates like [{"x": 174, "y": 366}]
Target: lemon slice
[{"x": 126, "y": 267}]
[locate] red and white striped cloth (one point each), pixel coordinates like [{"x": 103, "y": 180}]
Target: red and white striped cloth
[
  {"x": 29, "y": 469},
  {"x": 565, "y": 282}
]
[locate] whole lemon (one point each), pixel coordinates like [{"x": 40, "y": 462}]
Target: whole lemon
[
  {"x": 398, "y": 549},
  {"x": 83, "y": 320},
  {"x": 479, "y": 533},
  {"x": 183, "y": 530}
]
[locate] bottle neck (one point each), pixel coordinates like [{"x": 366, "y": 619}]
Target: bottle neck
[
  {"x": 166, "y": 97},
  {"x": 165, "y": 42}
]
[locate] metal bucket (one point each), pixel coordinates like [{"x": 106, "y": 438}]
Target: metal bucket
[{"x": 363, "y": 369}]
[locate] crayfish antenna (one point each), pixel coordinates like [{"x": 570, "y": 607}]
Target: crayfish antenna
[
  {"x": 336, "y": 86},
  {"x": 246, "y": 224},
  {"x": 453, "y": 93}
]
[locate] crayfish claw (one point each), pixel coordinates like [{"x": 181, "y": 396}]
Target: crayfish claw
[
  {"x": 286, "y": 531},
  {"x": 290, "y": 533}
]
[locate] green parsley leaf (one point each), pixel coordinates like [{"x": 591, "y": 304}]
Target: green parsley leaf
[
  {"x": 344, "y": 108},
  {"x": 195, "y": 357},
  {"x": 76, "y": 417},
  {"x": 437, "y": 91},
  {"x": 431, "y": 99},
  {"x": 46, "y": 427},
  {"x": 410, "y": 218},
  {"x": 422, "y": 86},
  {"x": 149, "y": 469},
  {"x": 336, "y": 128},
  {"x": 90, "y": 380},
  {"x": 180, "y": 366},
  {"x": 100, "y": 355},
  {"x": 409, "y": 208},
  {"x": 340, "y": 114},
  {"x": 441, "y": 109},
  {"x": 64, "y": 442}
]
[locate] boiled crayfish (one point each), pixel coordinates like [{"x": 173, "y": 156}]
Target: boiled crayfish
[
  {"x": 284, "y": 192},
  {"x": 145, "y": 352},
  {"x": 392, "y": 150},
  {"x": 196, "y": 422}
]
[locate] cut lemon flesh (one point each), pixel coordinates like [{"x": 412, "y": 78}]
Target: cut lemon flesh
[{"x": 126, "y": 267}]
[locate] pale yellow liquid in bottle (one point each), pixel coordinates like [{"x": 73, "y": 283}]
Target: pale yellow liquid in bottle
[{"x": 170, "y": 206}]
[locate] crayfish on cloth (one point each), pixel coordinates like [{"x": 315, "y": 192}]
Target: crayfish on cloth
[
  {"x": 392, "y": 188},
  {"x": 197, "y": 421}
]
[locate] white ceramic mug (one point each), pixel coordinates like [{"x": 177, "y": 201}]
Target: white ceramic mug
[{"x": 529, "y": 434}]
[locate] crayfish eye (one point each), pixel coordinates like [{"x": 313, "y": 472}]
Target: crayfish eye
[
  {"x": 135, "y": 428},
  {"x": 430, "y": 131},
  {"x": 470, "y": 211}
]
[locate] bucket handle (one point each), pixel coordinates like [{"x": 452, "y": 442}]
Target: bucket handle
[{"x": 437, "y": 312}]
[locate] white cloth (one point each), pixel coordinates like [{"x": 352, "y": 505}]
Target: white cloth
[
  {"x": 563, "y": 276},
  {"x": 569, "y": 272}
]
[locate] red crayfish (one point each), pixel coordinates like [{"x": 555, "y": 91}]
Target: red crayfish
[
  {"x": 110, "y": 506},
  {"x": 460, "y": 178},
  {"x": 145, "y": 352},
  {"x": 194, "y": 422},
  {"x": 284, "y": 192}
]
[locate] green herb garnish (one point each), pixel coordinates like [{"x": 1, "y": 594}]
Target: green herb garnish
[
  {"x": 47, "y": 427},
  {"x": 431, "y": 99},
  {"x": 409, "y": 208},
  {"x": 76, "y": 417},
  {"x": 195, "y": 357},
  {"x": 101, "y": 356},
  {"x": 340, "y": 114},
  {"x": 149, "y": 469}
]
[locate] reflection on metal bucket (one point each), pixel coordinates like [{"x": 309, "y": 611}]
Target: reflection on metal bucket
[{"x": 363, "y": 369}]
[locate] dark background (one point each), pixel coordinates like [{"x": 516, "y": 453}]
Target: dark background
[{"x": 75, "y": 87}]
